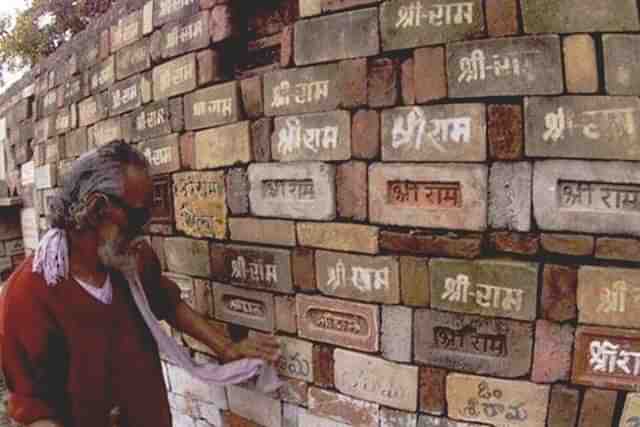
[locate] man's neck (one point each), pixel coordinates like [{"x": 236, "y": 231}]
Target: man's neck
[{"x": 84, "y": 262}]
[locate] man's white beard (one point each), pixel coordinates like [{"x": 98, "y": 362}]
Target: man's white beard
[{"x": 113, "y": 254}]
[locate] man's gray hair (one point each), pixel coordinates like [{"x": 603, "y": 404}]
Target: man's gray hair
[{"x": 99, "y": 171}]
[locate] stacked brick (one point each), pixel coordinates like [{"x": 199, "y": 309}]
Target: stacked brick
[{"x": 434, "y": 205}]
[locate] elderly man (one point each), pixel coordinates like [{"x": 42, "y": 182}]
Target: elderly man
[{"x": 81, "y": 338}]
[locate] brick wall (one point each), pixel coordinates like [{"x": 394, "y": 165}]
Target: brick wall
[{"x": 434, "y": 203}]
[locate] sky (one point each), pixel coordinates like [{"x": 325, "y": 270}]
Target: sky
[{"x": 9, "y": 7}]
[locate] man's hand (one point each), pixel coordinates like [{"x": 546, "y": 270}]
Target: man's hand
[{"x": 260, "y": 346}]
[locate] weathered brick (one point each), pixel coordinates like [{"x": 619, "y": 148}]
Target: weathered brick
[
  {"x": 174, "y": 77},
  {"x": 559, "y": 286},
  {"x": 432, "y": 390},
  {"x": 251, "y": 90},
  {"x": 212, "y": 106},
  {"x": 353, "y": 82},
  {"x": 597, "y": 408},
  {"x": 425, "y": 244},
  {"x": 407, "y": 82},
  {"x": 261, "y": 139},
  {"x": 297, "y": 358},
  {"x": 568, "y": 244},
  {"x": 187, "y": 256},
  {"x": 185, "y": 35},
  {"x": 365, "y": 134},
  {"x": 339, "y": 36},
  {"x": 383, "y": 84},
  {"x": 287, "y": 46},
  {"x": 461, "y": 128},
  {"x": 351, "y": 187},
  {"x": 162, "y": 154},
  {"x": 133, "y": 59},
  {"x": 472, "y": 343},
  {"x": 542, "y": 76},
  {"x": 187, "y": 150},
  {"x": 618, "y": 248},
  {"x": 429, "y": 421},
  {"x": 309, "y": 420},
  {"x": 200, "y": 204},
  {"x": 631, "y": 410},
  {"x": 342, "y": 408},
  {"x": 126, "y": 30},
  {"x": 335, "y": 5},
  {"x": 151, "y": 121},
  {"x": 461, "y": 204},
  {"x": 502, "y": 17},
  {"x": 510, "y": 195},
  {"x": 414, "y": 281},
  {"x": 244, "y": 307},
  {"x": 397, "y": 326},
  {"x": 210, "y": 67},
  {"x": 540, "y": 16},
  {"x": 90, "y": 111},
  {"x": 221, "y": 23},
  {"x": 397, "y": 384},
  {"x": 166, "y": 10},
  {"x": 237, "y": 187},
  {"x": 323, "y": 365},
  {"x": 184, "y": 384},
  {"x": 348, "y": 324},
  {"x": 233, "y": 420},
  {"x": 285, "y": 312},
  {"x": 621, "y": 53},
  {"x": 406, "y": 23},
  {"x": 255, "y": 406},
  {"x": 517, "y": 243},
  {"x": 563, "y": 406},
  {"x": 509, "y": 287},
  {"x": 294, "y": 391},
  {"x": 532, "y": 398},
  {"x": 296, "y": 190},
  {"x": 303, "y": 265},
  {"x": 223, "y": 146},
  {"x": 395, "y": 418},
  {"x": 552, "y": 357},
  {"x": 581, "y": 68},
  {"x": 339, "y": 237}
]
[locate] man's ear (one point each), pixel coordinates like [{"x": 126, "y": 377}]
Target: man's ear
[{"x": 97, "y": 205}]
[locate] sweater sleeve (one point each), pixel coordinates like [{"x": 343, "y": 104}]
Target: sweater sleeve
[{"x": 28, "y": 344}]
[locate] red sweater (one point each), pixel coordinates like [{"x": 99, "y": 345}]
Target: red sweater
[{"x": 69, "y": 357}]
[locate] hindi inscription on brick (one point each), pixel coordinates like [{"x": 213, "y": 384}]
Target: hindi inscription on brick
[
  {"x": 252, "y": 309},
  {"x": 199, "y": 199}
]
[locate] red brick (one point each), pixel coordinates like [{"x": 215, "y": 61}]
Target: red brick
[
  {"x": 597, "y": 408},
  {"x": 518, "y": 243},
  {"x": 334, "y": 5},
  {"x": 618, "y": 248},
  {"x": 422, "y": 243},
  {"x": 505, "y": 134},
  {"x": 187, "y": 150},
  {"x": 559, "y": 287},
  {"x": 353, "y": 82},
  {"x": 261, "y": 139},
  {"x": 502, "y": 17},
  {"x": 323, "y": 365},
  {"x": 552, "y": 355},
  {"x": 252, "y": 97},
  {"x": 286, "y": 47},
  {"x": 432, "y": 390},
  {"x": 209, "y": 67},
  {"x": 286, "y": 319},
  {"x": 351, "y": 189},
  {"x": 294, "y": 391},
  {"x": 563, "y": 406},
  {"x": 233, "y": 420},
  {"x": 580, "y": 63},
  {"x": 407, "y": 82},
  {"x": 237, "y": 188},
  {"x": 303, "y": 268},
  {"x": 365, "y": 134},
  {"x": 568, "y": 244},
  {"x": 105, "y": 45},
  {"x": 382, "y": 83},
  {"x": 344, "y": 409},
  {"x": 430, "y": 74},
  {"x": 220, "y": 23},
  {"x": 176, "y": 111}
]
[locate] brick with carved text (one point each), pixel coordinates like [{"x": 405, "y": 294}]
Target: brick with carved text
[
  {"x": 92, "y": 110},
  {"x": 174, "y": 77},
  {"x": 339, "y": 236},
  {"x": 223, "y": 146},
  {"x": 342, "y": 408},
  {"x": 248, "y": 308},
  {"x": 129, "y": 94},
  {"x": 168, "y": 10},
  {"x": 185, "y": 35},
  {"x": 151, "y": 121},
  {"x": 297, "y": 358},
  {"x": 103, "y": 75},
  {"x": 106, "y": 131},
  {"x": 73, "y": 90},
  {"x": 264, "y": 231},
  {"x": 200, "y": 207},
  {"x": 126, "y": 30},
  {"x": 559, "y": 289},
  {"x": 133, "y": 59},
  {"x": 213, "y": 106},
  {"x": 187, "y": 256},
  {"x": 162, "y": 154}
]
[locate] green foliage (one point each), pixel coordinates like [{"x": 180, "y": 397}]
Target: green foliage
[{"x": 41, "y": 28}]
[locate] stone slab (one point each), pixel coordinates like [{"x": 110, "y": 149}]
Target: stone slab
[
  {"x": 486, "y": 287},
  {"x": 151, "y": 121},
  {"x": 500, "y": 403},
  {"x": 102, "y": 75},
  {"x": 163, "y": 154},
  {"x": 253, "y": 267},
  {"x": 126, "y": 30},
  {"x": 187, "y": 256},
  {"x": 510, "y": 186},
  {"x": 440, "y": 195},
  {"x": 507, "y": 66},
  {"x": 169, "y": 10},
  {"x": 621, "y": 54},
  {"x": 587, "y": 127},
  {"x": 453, "y": 132},
  {"x": 606, "y": 358},
  {"x": 302, "y": 90},
  {"x": 299, "y": 191},
  {"x": 200, "y": 204},
  {"x": 473, "y": 344},
  {"x": 337, "y": 36},
  {"x": 252, "y": 309},
  {"x": 631, "y": 412},
  {"x": 582, "y": 196},
  {"x": 316, "y": 136},
  {"x": 297, "y": 359},
  {"x": 360, "y": 277},
  {"x": 339, "y": 236},
  {"x": 223, "y": 146},
  {"x": 410, "y": 23},
  {"x": 541, "y": 16},
  {"x": 213, "y": 106},
  {"x": 129, "y": 94},
  {"x": 133, "y": 59},
  {"x": 174, "y": 77},
  {"x": 348, "y": 324},
  {"x": 185, "y": 35},
  {"x": 377, "y": 380},
  {"x": 609, "y": 296}
]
